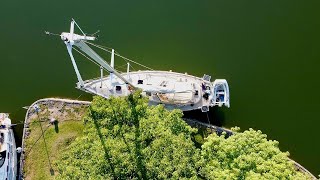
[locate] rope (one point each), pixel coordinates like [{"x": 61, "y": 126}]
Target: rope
[
  {"x": 117, "y": 54},
  {"x": 79, "y": 96}
]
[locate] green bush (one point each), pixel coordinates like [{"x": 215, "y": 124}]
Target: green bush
[{"x": 124, "y": 138}]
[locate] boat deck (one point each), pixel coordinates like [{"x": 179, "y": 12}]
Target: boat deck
[{"x": 173, "y": 90}]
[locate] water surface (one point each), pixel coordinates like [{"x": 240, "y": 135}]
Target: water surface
[{"x": 267, "y": 50}]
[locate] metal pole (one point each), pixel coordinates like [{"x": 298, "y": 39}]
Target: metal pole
[
  {"x": 69, "y": 47},
  {"x": 101, "y": 72},
  {"x": 112, "y": 65},
  {"x": 128, "y": 76}
]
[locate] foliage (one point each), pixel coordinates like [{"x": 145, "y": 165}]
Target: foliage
[
  {"x": 126, "y": 139},
  {"x": 247, "y": 155}
]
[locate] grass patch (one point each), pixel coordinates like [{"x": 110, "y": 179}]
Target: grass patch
[{"x": 37, "y": 163}]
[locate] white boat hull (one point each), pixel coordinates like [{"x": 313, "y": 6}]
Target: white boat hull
[{"x": 173, "y": 90}]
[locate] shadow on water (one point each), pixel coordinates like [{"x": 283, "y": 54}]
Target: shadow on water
[{"x": 215, "y": 116}]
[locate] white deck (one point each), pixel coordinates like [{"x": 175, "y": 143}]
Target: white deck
[{"x": 173, "y": 90}]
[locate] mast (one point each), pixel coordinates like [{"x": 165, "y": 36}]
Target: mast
[
  {"x": 128, "y": 75},
  {"x": 101, "y": 76},
  {"x": 75, "y": 66},
  {"x": 112, "y": 65},
  {"x": 72, "y": 39},
  {"x": 91, "y": 53}
]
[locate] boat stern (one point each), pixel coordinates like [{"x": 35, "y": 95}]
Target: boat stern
[{"x": 220, "y": 93}]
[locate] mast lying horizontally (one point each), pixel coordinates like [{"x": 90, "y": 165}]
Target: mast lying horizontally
[
  {"x": 85, "y": 48},
  {"x": 71, "y": 39},
  {"x": 171, "y": 89}
]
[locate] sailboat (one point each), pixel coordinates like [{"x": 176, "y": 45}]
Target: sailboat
[{"x": 172, "y": 89}]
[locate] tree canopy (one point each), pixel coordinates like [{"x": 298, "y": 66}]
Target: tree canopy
[
  {"x": 247, "y": 155},
  {"x": 124, "y": 138}
]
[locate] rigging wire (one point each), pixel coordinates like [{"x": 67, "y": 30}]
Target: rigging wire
[
  {"x": 117, "y": 54},
  {"x": 78, "y": 27},
  {"x": 79, "y": 96},
  {"x": 96, "y": 62},
  {"x": 132, "y": 67},
  {"x": 49, "y": 33},
  {"x": 103, "y": 48},
  {"x": 86, "y": 56},
  {"x": 121, "y": 68},
  {"x": 93, "y": 62},
  {"x": 117, "y": 69}
]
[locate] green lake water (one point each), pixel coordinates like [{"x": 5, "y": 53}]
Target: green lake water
[{"x": 268, "y": 50}]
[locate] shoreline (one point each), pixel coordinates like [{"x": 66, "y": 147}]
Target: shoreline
[
  {"x": 219, "y": 130},
  {"x": 30, "y": 112},
  {"x": 69, "y": 102}
]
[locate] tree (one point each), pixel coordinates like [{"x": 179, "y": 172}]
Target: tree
[
  {"x": 125, "y": 138},
  {"x": 247, "y": 155}
]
